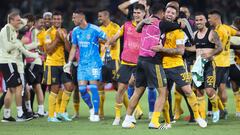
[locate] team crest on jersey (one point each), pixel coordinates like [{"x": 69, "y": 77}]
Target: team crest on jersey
[{"x": 88, "y": 36}]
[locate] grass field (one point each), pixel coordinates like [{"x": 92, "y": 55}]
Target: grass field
[{"x": 104, "y": 127}]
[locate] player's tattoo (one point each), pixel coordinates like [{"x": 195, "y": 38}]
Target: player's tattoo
[
  {"x": 173, "y": 51},
  {"x": 218, "y": 43}
]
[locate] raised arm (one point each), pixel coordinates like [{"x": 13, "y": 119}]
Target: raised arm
[{"x": 124, "y": 6}]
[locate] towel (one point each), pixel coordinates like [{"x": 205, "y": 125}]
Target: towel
[{"x": 198, "y": 71}]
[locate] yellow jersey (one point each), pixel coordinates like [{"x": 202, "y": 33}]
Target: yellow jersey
[
  {"x": 41, "y": 38},
  {"x": 57, "y": 58},
  {"x": 173, "y": 39},
  {"x": 111, "y": 29},
  {"x": 224, "y": 32}
]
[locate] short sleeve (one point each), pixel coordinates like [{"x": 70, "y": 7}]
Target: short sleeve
[{"x": 74, "y": 37}]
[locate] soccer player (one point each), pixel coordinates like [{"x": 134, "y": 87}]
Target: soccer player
[
  {"x": 39, "y": 28},
  {"x": 189, "y": 58},
  {"x": 34, "y": 68},
  {"x": 56, "y": 41},
  {"x": 207, "y": 45},
  {"x": 76, "y": 95},
  {"x": 85, "y": 36},
  {"x": 234, "y": 71},
  {"x": 173, "y": 63},
  {"x": 111, "y": 67},
  {"x": 222, "y": 60},
  {"x": 149, "y": 70},
  {"x": 125, "y": 74},
  {"x": 10, "y": 48}
]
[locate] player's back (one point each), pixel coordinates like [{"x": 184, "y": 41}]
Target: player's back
[{"x": 150, "y": 37}]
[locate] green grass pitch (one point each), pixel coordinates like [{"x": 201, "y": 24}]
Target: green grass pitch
[{"x": 82, "y": 126}]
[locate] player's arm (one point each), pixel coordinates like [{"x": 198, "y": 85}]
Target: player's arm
[
  {"x": 167, "y": 26},
  {"x": 179, "y": 50},
  {"x": 140, "y": 25},
  {"x": 50, "y": 47},
  {"x": 173, "y": 51},
  {"x": 34, "y": 43},
  {"x": 193, "y": 47},
  {"x": 124, "y": 6},
  {"x": 72, "y": 53},
  {"x": 112, "y": 40},
  {"x": 63, "y": 33},
  {"x": 26, "y": 52},
  {"x": 218, "y": 44}
]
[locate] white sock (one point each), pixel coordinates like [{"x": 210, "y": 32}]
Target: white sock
[
  {"x": 6, "y": 113},
  {"x": 19, "y": 111},
  {"x": 41, "y": 109},
  {"x": 28, "y": 105}
]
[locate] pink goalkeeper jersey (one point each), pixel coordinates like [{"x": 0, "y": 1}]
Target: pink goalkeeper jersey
[
  {"x": 150, "y": 37},
  {"x": 132, "y": 43}
]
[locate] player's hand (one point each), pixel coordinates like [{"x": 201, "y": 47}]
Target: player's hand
[
  {"x": 181, "y": 22},
  {"x": 62, "y": 33},
  {"x": 106, "y": 46},
  {"x": 148, "y": 20},
  {"x": 156, "y": 48},
  {"x": 67, "y": 68}
]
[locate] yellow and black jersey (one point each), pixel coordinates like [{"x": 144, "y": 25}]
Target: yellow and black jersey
[
  {"x": 111, "y": 29},
  {"x": 173, "y": 39},
  {"x": 56, "y": 58},
  {"x": 224, "y": 32}
]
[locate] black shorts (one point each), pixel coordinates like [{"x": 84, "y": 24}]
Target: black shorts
[
  {"x": 124, "y": 73},
  {"x": 188, "y": 65},
  {"x": 10, "y": 75},
  {"x": 222, "y": 74},
  {"x": 149, "y": 74},
  {"x": 74, "y": 74},
  {"x": 109, "y": 71},
  {"x": 33, "y": 73},
  {"x": 209, "y": 76},
  {"x": 179, "y": 75},
  {"x": 234, "y": 73},
  {"x": 55, "y": 75}
]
